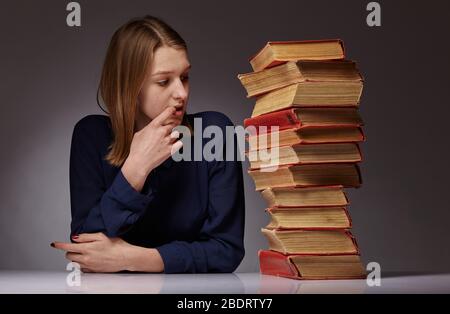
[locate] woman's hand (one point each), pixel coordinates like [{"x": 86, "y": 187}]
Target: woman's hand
[
  {"x": 153, "y": 143},
  {"x": 150, "y": 146},
  {"x": 95, "y": 252}
]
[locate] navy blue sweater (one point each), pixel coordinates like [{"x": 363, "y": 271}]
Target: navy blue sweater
[{"x": 192, "y": 212}]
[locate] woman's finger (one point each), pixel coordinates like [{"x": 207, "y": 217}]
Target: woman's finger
[
  {"x": 68, "y": 247},
  {"x": 163, "y": 116},
  {"x": 171, "y": 139},
  {"x": 75, "y": 257},
  {"x": 175, "y": 147},
  {"x": 175, "y": 134},
  {"x": 88, "y": 237},
  {"x": 167, "y": 129}
]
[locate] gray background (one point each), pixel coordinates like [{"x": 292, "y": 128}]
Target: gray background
[{"x": 50, "y": 72}]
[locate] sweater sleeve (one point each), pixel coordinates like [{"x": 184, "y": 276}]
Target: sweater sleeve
[
  {"x": 96, "y": 208},
  {"x": 219, "y": 247}
]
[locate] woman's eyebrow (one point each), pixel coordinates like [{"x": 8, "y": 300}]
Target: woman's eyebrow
[
  {"x": 169, "y": 72},
  {"x": 162, "y": 72}
]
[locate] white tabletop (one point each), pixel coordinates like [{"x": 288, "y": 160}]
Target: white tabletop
[{"x": 240, "y": 283}]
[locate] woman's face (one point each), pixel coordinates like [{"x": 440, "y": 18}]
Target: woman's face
[{"x": 167, "y": 85}]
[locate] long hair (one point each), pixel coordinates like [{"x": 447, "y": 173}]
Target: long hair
[{"x": 125, "y": 68}]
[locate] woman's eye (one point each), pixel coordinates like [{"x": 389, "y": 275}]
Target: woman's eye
[
  {"x": 185, "y": 78},
  {"x": 162, "y": 83}
]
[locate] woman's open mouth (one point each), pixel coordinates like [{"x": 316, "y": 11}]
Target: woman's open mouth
[{"x": 179, "y": 111}]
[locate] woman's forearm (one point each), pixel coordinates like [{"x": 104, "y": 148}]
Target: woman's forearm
[{"x": 143, "y": 260}]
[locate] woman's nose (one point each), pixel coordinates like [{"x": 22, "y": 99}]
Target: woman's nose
[{"x": 180, "y": 91}]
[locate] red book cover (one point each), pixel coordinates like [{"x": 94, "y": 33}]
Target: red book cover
[
  {"x": 284, "y": 119},
  {"x": 277, "y": 264}
]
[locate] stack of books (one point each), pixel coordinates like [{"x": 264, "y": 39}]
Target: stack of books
[{"x": 303, "y": 150}]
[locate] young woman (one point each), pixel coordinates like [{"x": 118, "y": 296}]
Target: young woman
[{"x": 134, "y": 208}]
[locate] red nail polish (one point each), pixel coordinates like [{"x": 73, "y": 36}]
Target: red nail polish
[{"x": 75, "y": 236}]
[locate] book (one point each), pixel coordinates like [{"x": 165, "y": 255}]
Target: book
[
  {"x": 347, "y": 175},
  {"x": 308, "y": 218},
  {"x": 310, "y": 94},
  {"x": 305, "y": 135},
  {"x": 309, "y": 73},
  {"x": 297, "y": 266},
  {"x": 303, "y": 147},
  {"x": 303, "y": 241},
  {"x": 277, "y": 52},
  {"x": 303, "y": 117},
  {"x": 305, "y": 196},
  {"x": 305, "y": 154}
]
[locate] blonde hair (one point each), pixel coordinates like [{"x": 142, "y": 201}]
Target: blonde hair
[{"x": 127, "y": 61}]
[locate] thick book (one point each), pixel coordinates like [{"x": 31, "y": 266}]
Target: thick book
[
  {"x": 317, "y": 218},
  {"x": 311, "y": 267},
  {"x": 310, "y": 73},
  {"x": 277, "y": 52},
  {"x": 305, "y": 135},
  {"x": 347, "y": 175},
  {"x": 305, "y": 154},
  {"x": 310, "y": 94},
  {"x": 304, "y": 241},
  {"x": 305, "y": 196},
  {"x": 303, "y": 117}
]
